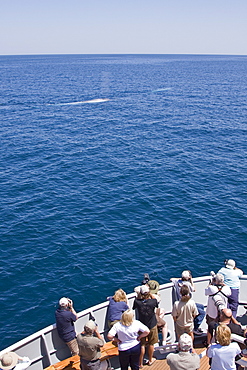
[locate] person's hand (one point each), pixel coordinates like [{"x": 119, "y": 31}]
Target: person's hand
[{"x": 70, "y": 305}]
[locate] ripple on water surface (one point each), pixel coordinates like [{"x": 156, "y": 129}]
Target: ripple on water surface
[{"x": 95, "y": 195}]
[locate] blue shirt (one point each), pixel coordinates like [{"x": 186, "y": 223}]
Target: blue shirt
[
  {"x": 116, "y": 309},
  {"x": 231, "y": 277}
]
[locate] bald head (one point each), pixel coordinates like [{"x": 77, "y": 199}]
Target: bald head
[{"x": 226, "y": 313}]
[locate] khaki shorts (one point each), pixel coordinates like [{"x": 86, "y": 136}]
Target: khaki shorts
[
  {"x": 73, "y": 346},
  {"x": 152, "y": 337},
  {"x": 111, "y": 323},
  {"x": 182, "y": 329}
]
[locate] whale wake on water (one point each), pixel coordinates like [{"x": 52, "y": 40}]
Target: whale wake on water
[
  {"x": 162, "y": 89},
  {"x": 86, "y": 102}
]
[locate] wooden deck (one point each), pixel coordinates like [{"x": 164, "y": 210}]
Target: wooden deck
[
  {"x": 110, "y": 351},
  {"x": 162, "y": 364}
]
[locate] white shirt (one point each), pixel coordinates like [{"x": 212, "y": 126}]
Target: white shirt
[
  {"x": 212, "y": 310},
  {"x": 127, "y": 334},
  {"x": 22, "y": 364},
  {"x": 223, "y": 357}
]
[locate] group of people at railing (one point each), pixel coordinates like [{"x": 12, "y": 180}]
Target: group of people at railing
[
  {"x": 133, "y": 336},
  {"x": 221, "y": 312}
]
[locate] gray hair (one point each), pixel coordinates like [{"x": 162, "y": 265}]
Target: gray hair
[{"x": 219, "y": 279}]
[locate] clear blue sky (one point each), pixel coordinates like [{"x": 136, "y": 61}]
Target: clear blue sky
[{"x": 123, "y": 26}]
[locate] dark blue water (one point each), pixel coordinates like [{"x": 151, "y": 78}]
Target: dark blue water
[{"x": 95, "y": 194}]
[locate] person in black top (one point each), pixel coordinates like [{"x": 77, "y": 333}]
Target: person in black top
[
  {"x": 227, "y": 319},
  {"x": 145, "y": 305}
]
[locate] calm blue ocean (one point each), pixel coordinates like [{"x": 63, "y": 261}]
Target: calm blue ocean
[{"x": 94, "y": 194}]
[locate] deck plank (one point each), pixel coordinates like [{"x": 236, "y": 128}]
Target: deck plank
[{"x": 73, "y": 363}]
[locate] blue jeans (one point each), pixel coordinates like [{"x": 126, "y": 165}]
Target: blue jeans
[
  {"x": 130, "y": 357},
  {"x": 198, "y": 319}
]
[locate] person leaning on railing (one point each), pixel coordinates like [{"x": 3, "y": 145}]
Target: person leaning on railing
[
  {"x": 117, "y": 305},
  {"x": 231, "y": 276},
  {"x": 65, "y": 318}
]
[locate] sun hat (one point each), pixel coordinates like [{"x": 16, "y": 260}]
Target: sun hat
[
  {"x": 230, "y": 264},
  {"x": 144, "y": 289},
  {"x": 185, "y": 342},
  {"x": 90, "y": 325},
  {"x": 63, "y": 302},
  {"x": 153, "y": 286},
  {"x": 8, "y": 360},
  {"x": 186, "y": 274}
]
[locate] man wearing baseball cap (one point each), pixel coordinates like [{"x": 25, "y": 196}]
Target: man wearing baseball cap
[
  {"x": 65, "y": 318},
  {"x": 186, "y": 358},
  {"x": 90, "y": 341}
]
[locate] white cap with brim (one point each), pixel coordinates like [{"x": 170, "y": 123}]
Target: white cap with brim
[
  {"x": 8, "y": 360},
  {"x": 90, "y": 325},
  {"x": 186, "y": 274},
  {"x": 231, "y": 264},
  {"x": 63, "y": 302},
  {"x": 144, "y": 289},
  {"x": 219, "y": 278},
  {"x": 185, "y": 342}
]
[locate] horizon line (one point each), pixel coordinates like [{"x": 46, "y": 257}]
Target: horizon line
[{"x": 57, "y": 54}]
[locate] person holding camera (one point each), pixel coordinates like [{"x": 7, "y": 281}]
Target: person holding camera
[
  {"x": 186, "y": 356},
  {"x": 89, "y": 342},
  {"x": 218, "y": 294},
  {"x": 65, "y": 318},
  {"x": 231, "y": 276}
]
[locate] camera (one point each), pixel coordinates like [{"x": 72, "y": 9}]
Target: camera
[
  {"x": 70, "y": 302},
  {"x": 212, "y": 277},
  {"x": 218, "y": 301},
  {"x": 146, "y": 279}
]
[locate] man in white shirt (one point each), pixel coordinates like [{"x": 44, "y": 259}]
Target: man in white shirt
[{"x": 218, "y": 294}]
